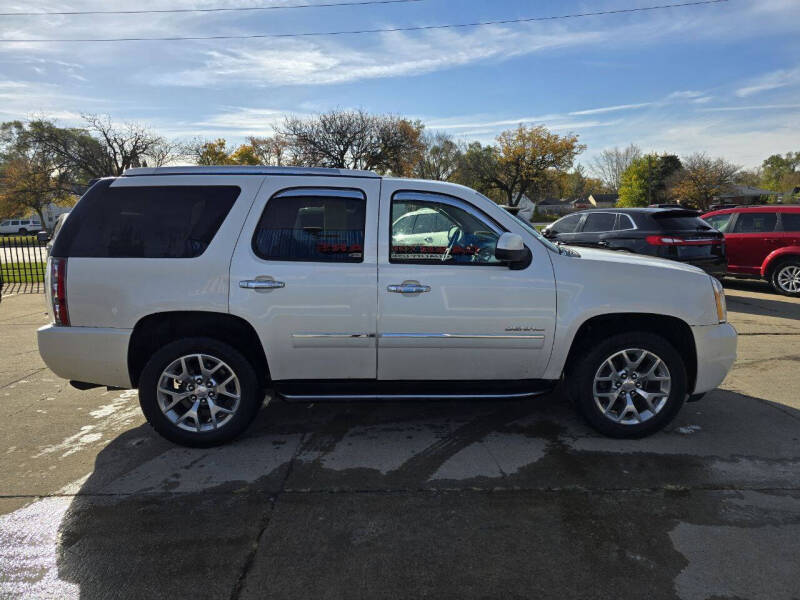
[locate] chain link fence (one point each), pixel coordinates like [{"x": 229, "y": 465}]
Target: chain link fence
[{"x": 23, "y": 260}]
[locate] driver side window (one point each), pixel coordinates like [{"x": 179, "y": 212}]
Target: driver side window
[{"x": 444, "y": 232}]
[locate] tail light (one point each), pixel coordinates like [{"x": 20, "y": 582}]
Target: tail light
[
  {"x": 58, "y": 290},
  {"x": 666, "y": 240}
]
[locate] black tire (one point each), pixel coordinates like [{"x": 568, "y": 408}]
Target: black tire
[
  {"x": 793, "y": 262},
  {"x": 581, "y": 375},
  {"x": 250, "y": 392},
  {"x": 23, "y": 231}
]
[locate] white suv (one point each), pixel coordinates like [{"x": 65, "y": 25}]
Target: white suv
[
  {"x": 20, "y": 226},
  {"x": 204, "y": 287}
]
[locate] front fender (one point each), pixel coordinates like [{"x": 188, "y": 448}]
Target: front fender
[{"x": 776, "y": 254}]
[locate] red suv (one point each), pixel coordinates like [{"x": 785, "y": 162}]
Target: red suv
[{"x": 762, "y": 241}]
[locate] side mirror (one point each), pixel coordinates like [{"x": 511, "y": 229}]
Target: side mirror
[
  {"x": 548, "y": 233},
  {"x": 511, "y": 249}
]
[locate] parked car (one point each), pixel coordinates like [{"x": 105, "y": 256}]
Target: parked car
[
  {"x": 20, "y": 226},
  {"x": 763, "y": 242},
  {"x": 675, "y": 234},
  {"x": 205, "y": 287}
]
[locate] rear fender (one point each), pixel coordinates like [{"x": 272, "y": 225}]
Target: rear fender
[{"x": 775, "y": 255}]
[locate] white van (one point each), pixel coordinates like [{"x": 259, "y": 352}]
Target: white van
[{"x": 20, "y": 226}]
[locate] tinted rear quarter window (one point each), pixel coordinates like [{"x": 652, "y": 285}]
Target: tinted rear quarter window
[
  {"x": 790, "y": 221},
  {"x": 624, "y": 223},
  {"x": 144, "y": 222}
]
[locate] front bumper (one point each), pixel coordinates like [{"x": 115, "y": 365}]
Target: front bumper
[
  {"x": 91, "y": 354},
  {"x": 716, "y": 353}
]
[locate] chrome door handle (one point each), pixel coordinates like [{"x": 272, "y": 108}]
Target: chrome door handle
[
  {"x": 409, "y": 288},
  {"x": 261, "y": 284}
]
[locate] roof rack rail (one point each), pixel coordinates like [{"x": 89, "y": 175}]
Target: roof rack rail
[{"x": 247, "y": 170}]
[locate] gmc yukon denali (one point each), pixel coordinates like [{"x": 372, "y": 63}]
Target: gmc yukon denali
[{"x": 207, "y": 287}]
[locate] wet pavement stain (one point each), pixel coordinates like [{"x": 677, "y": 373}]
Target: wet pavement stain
[{"x": 536, "y": 506}]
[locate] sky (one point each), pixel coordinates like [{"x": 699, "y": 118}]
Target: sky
[{"x": 721, "y": 78}]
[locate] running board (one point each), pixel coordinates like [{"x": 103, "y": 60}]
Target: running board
[{"x": 370, "y": 390}]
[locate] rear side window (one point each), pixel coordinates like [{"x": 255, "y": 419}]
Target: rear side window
[
  {"x": 144, "y": 222},
  {"x": 790, "y": 221},
  {"x": 598, "y": 222},
  {"x": 754, "y": 222},
  {"x": 314, "y": 225}
]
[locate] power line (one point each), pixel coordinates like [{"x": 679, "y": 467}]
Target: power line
[
  {"x": 202, "y": 10},
  {"x": 364, "y": 31}
]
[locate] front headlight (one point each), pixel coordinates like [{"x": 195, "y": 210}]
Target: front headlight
[{"x": 719, "y": 298}]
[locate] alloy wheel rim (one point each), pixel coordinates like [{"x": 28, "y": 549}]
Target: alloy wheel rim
[
  {"x": 199, "y": 393},
  {"x": 632, "y": 386},
  {"x": 789, "y": 279}
]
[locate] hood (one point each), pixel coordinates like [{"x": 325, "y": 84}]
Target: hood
[{"x": 627, "y": 258}]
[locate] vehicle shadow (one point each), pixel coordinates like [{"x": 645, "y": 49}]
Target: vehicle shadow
[
  {"x": 445, "y": 499},
  {"x": 784, "y": 309}
]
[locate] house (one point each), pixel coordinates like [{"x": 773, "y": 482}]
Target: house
[
  {"x": 745, "y": 194},
  {"x": 581, "y": 204},
  {"x": 603, "y": 200},
  {"x": 554, "y": 206}
]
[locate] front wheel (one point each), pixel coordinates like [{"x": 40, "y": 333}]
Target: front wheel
[
  {"x": 629, "y": 385},
  {"x": 786, "y": 278},
  {"x": 199, "y": 392}
]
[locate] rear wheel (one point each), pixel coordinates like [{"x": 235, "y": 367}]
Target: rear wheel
[
  {"x": 786, "y": 277},
  {"x": 199, "y": 392},
  {"x": 23, "y": 231},
  {"x": 629, "y": 385}
]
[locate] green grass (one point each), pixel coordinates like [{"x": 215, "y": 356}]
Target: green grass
[
  {"x": 22, "y": 272},
  {"x": 11, "y": 240}
]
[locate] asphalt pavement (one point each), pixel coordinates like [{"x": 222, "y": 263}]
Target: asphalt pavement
[{"x": 405, "y": 500}]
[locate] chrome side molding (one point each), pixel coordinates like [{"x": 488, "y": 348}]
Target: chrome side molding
[{"x": 465, "y": 336}]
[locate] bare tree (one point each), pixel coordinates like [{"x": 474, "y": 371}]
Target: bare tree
[
  {"x": 439, "y": 159},
  {"x": 353, "y": 139},
  {"x": 206, "y": 152},
  {"x": 703, "y": 178},
  {"x": 273, "y": 151},
  {"x": 103, "y": 148},
  {"x": 126, "y": 145},
  {"x": 609, "y": 165}
]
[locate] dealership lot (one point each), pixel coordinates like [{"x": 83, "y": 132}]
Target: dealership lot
[{"x": 401, "y": 500}]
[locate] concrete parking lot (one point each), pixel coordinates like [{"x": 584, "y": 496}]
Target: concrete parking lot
[{"x": 406, "y": 500}]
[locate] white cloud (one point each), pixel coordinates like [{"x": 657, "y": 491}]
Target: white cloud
[
  {"x": 249, "y": 121},
  {"x": 325, "y": 62},
  {"x": 606, "y": 109},
  {"x": 752, "y": 107},
  {"x": 687, "y": 94},
  {"x": 771, "y": 81}
]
